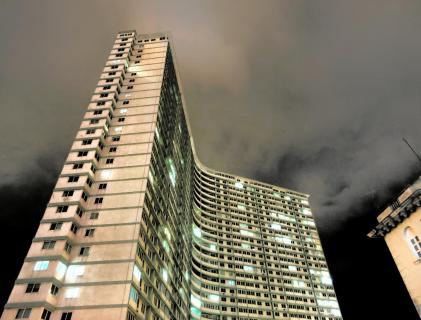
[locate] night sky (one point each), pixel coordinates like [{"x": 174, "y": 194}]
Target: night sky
[{"x": 311, "y": 95}]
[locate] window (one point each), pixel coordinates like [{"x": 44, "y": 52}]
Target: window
[
  {"x": 68, "y": 193},
  {"x": 77, "y": 166},
  {"x": 46, "y": 314},
  {"x": 134, "y": 73},
  {"x": 100, "y": 103},
  {"x": 109, "y": 161},
  {"x": 54, "y": 289},
  {"x": 113, "y": 149},
  {"x": 106, "y": 88},
  {"x": 79, "y": 212},
  {"x": 67, "y": 247},
  {"x": 89, "y": 182},
  {"x": 413, "y": 242},
  {"x": 102, "y": 186},
  {"x": 130, "y": 87},
  {"x": 84, "y": 251},
  {"x": 66, "y": 316},
  {"x": 56, "y": 225},
  {"x": 32, "y": 287},
  {"x": 84, "y": 196},
  {"x": 126, "y": 101},
  {"x": 114, "y": 67},
  {"x": 94, "y": 215},
  {"x": 121, "y": 119},
  {"x": 119, "y": 55},
  {"x": 87, "y": 141},
  {"x": 103, "y": 95},
  {"x": 41, "y": 265},
  {"x": 74, "y": 228},
  {"x": 115, "y": 139},
  {"x": 89, "y": 232},
  {"x": 112, "y": 73},
  {"x": 23, "y": 313},
  {"x": 137, "y": 61},
  {"x": 62, "y": 209},
  {"x": 98, "y": 200},
  {"x": 73, "y": 179},
  {"x": 48, "y": 244},
  {"x": 82, "y": 153},
  {"x": 131, "y": 80},
  {"x": 90, "y": 131}
]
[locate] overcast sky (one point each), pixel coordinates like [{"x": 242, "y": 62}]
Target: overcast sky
[{"x": 311, "y": 95}]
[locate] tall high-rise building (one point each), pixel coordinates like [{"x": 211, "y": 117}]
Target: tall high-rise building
[
  {"x": 138, "y": 228},
  {"x": 400, "y": 226}
]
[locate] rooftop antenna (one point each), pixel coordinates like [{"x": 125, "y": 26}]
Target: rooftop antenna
[{"x": 412, "y": 149}]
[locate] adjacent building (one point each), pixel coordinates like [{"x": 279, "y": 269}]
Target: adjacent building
[
  {"x": 138, "y": 228},
  {"x": 400, "y": 226}
]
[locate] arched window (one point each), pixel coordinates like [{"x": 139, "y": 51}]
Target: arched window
[{"x": 413, "y": 242}]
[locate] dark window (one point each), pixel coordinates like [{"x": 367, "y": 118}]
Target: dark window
[
  {"x": 84, "y": 196},
  {"x": 87, "y": 141},
  {"x": 116, "y": 139},
  {"x": 109, "y": 161},
  {"x": 66, "y": 316},
  {"x": 114, "y": 67},
  {"x": 84, "y": 251},
  {"x": 109, "y": 80},
  {"x": 46, "y": 314},
  {"x": 77, "y": 166},
  {"x": 54, "y": 290},
  {"x": 79, "y": 212},
  {"x": 134, "y": 73},
  {"x": 48, "y": 244},
  {"x": 106, "y": 87},
  {"x": 126, "y": 102},
  {"x": 130, "y": 87},
  {"x": 74, "y": 228},
  {"x": 96, "y": 112},
  {"x": 73, "y": 179},
  {"x": 82, "y": 153},
  {"x": 111, "y": 73},
  {"x": 89, "y": 182},
  {"x": 113, "y": 149},
  {"x": 104, "y": 95},
  {"x": 32, "y": 287},
  {"x": 94, "y": 215},
  {"x": 62, "y": 208},
  {"x": 89, "y": 232},
  {"x": 121, "y": 119},
  {"x": 98, "y": 200},
  {"x": 131, "y": 80},
  {"x": 94, "y": 121},
  {"x": 68, "y": 193},
  {"x": 90, "y": 131},
  {"x": 56, "y": 225},
  {"x": 67, "y": 247},
  {"x": 23, "y": 313},
  {"x": 102, "y": 186},
  {"x": 119, "y": 55},
  {"x": 100, "y": 103}
]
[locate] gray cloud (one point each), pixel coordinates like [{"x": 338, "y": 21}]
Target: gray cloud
[{"x": 315, "y": 96}]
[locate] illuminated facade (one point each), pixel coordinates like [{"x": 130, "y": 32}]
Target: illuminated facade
[
  {"x": 400, "y": 226},
  {"x": 138, "y": 228}
]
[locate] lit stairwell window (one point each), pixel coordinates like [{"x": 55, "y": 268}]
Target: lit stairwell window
[{"x": 413, "y": 242}]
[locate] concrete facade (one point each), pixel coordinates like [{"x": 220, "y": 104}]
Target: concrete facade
[
  {"x": 138, "y": 228},
  {"x": 400, "y": 225}
]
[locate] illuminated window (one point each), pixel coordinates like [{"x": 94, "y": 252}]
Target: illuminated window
[
  {"x": 239, "y": 185},
  {"x": 165, "y": 275},
  {"x": 197, "y": 232},
  {"x": 41, "y": 265},
  {"x": 275, "y": 226},
  {"x": 136, "y": 273},
  {"x": 72, "y": 293},
  {"x": 213, "y": 297},
  {"x": 61, "y": 270},
  {"x": 248, "y": 268},
  {"x": 195, "y": 301}
]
